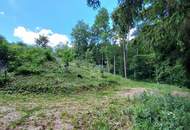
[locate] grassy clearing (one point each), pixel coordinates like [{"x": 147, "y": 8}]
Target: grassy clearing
[
  {"x": 58, "y": 100},
  {"x": 99, "y": 110}
]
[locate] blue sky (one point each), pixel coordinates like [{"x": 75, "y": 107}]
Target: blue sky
[{"x": 58, "y": 16}]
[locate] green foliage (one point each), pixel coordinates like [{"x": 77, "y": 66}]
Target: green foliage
[
  {"x": 3, "y": 53},
  {"x": 160, "y": 50},
  {"x": 142, "y": 113},
  {"x": 126, "y": 15},
  {"x": 4, "y": 56},
  {"x": 3, "y": 78},
  {"x": 172, "y": 74},
  {"x": 89, "y": 56},
  {"x": 101, "y": 26},
  {"x": 168, "y": 49},
  {"x": 80, "y": 34},
  {"x": 142, "y": 67},
  {"x": 162, "y": 113},
  {"x": 29, "y": 61},
  {"x": 51, "y": 79},
  {"x": 66, "y": 54}
]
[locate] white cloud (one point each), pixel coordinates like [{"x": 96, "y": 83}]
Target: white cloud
[
  {"x": 28, "y": 36},
  {"x": 25, "y": 35},
  {"x": 45, "y": 32},
  {"x": 57, "y": 39},
  {"x": 2, "y": 13}
]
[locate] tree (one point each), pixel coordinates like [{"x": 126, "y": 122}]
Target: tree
[
  {"x": 101, "y": 31},
  {"x": 161, "y": 48},
  {"x": 122, "y": 25},
  {"x": 3, "y": 57},
  {"x": 42, "y": 41},
  {"x": 163, "y": 32},
  {"x": 89, "y": 56},
  {"x": 81, "y": 35},
  {"x": 67, "y": 55},
  {"x": 101, "y": 26}
]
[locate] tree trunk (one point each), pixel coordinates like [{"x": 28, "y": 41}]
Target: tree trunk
[
  {"x": 102, "y": 61},
  {"x": 108, "y": 67},
  {"x": 135, "y": 72},
  {"x": 126, "y": 57},
  {"x": 114, "y": 65},
  {"x": 124, "y": 60},
  {"x": 157, "y": 80},
  {"x": 125, "y": 53}
]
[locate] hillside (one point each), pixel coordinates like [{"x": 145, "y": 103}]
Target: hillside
[
  {"x": 83, "y": 98},
  {"x": 53, "y": 79}
]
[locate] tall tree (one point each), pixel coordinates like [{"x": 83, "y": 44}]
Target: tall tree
[
  {"x": 124, "y": 18},
  {"x": 161, "y": 49},
  {"x": 101, "y": 30},
  {"x": 81, "y": 35}
]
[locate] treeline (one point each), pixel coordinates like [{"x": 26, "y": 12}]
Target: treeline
[{"x": 159, "y": 53}]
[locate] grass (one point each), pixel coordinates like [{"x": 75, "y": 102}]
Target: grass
[
  {"x": 101, "y": 110},
  {"x": 53, "y": 79},
  {"x": 91, "y": 102}
]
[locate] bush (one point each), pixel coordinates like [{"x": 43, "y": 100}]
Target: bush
[
  {"x": 172, "y": 74},
  {"x": 28, "y": 60},
  {"x": 28, "y": 69}
]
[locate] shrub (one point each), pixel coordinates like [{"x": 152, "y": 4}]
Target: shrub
[
  {"x": 172, "y": 74},
  {"x": 28, "y": 69},
  {"x": 28, "y": 60}
]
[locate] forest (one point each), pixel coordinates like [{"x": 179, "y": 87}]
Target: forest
[{"x": 128, "y": 70}]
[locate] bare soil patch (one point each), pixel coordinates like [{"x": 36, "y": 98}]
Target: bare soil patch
[
  {"x": 132, "y": 92},
  {"x": 180, "y": 94},
  {"x": 8, "y": 115}
]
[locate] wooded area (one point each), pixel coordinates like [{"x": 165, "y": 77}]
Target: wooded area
[{"x": 160, "y": 51}]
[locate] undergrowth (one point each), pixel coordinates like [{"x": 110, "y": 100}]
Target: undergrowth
[
  {"x": 51, "y": 78},
  {"x": 143, "y": 113}
]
